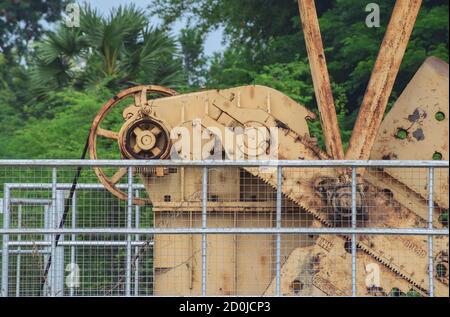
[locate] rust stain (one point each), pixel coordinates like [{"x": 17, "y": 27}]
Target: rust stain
[
  {"x": 263, "y": 260},
  {"x": 252, "y": 92},
  {"x": 226, "y": 284},
  {"x": 390, "y": 156},
  {"x": 281, "y": 125},
  {"x": 382, "y": 79}
]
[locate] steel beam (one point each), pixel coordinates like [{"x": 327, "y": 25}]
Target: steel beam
[
  {"x": 321, "y": 79},
  {"x": 382, "y": 80}
]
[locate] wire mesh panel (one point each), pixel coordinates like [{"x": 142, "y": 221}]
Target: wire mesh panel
[{"x": 164, "y": 228}]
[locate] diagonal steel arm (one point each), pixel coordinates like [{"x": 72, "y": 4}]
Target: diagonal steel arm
[
  {"x": 382, "y": 80},
  {"x": 321, "y": 79}
]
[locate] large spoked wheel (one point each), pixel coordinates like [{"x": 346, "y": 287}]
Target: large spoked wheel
[{"x": 139, "y": 93}]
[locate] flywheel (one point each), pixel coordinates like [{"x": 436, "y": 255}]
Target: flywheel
[{"x": 142, "y": 136}]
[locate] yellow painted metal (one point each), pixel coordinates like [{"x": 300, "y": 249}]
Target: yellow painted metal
[
  {"x": 382, "y": 80},
  {"x": 417, "y": 128},
  {"x": 321, "y": 80}
]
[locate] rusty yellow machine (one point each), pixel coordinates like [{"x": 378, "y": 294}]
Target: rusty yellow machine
[{"x": 416, "y": 128}]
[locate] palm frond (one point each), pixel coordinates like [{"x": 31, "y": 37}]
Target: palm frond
[
  {"x": 67, "y": 42},
  {"x": 107, "y": 50}
]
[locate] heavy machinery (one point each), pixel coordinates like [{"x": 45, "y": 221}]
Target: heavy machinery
[{"x": 153, "y": 126}]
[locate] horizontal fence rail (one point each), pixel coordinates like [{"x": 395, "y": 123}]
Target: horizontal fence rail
[
  {"x": 216, "y": 229},
  {"x": 224, "y": 163},
  {"x": 221, "y": 230}
]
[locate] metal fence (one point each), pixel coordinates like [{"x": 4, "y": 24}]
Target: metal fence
[{"x": 275, "y": 228}]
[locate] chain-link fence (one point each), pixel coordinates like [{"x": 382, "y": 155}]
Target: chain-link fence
[{"x": 278, "y": 228}]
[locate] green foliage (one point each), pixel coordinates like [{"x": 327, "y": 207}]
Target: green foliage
[
  {"x": 21, "y": 22},
  {"x": 13, "y": 93},
  {"x": 443, "y": 218},
  {"x": 294, "y": 79},
  {"x": 255, "y": 19},
  {"x": 267, "y": 32},
  {"x": 44, "y": 105},
  {"x": 109, "y": 51},
  {"x": 396, "y": 292},
  {"x": 60, "y": 132},
  {"x": 413, "y": 293},
  {"x": 266, "y": 46},
  {"x": 194, "y": 60},
  {"x": 228, "y": 71}
]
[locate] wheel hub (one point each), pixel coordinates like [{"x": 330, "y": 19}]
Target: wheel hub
[{"x": 146, "y": 139}]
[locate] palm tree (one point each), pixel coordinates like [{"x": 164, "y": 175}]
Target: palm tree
[{"x": 111, "y": 50}]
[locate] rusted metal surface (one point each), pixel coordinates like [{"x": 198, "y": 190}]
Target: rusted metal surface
[
  {"x": 175, "y": 195},
  {"x": 321, "y": 79},
  {"x": 251, "y": 102},
  {"x": 139, "y": 93},
  {"x": 253, "y": 106},
  {"x": 394, "y": 253},
  {"x": 382, "y": 80},
  {"x": 261, "y": 106},
  {"x": 177, "y": 200},
  {"x": 417, "y": 127},
  {"x": 311, "y": 271}
]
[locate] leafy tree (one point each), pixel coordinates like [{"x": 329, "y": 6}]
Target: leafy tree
[
  {"x": 264, "y": 45},
  {"x": 14, "y": 93},
  {"x": 267, "y": 32},
  {"x": 353, "y": 48},
  {"x": 113, "y": 50},
  {"x": 194, "y": 60},
  {"x": 228, "y": 69},
  {"x": 294, "y": 80},
  {"x": 23, "y": 21},
  {"x": 256, "y": 19},
  {"x": 9, "y": 119},
  {"x": 251, "y": 23},
  {"x": 60, "y": 133}
]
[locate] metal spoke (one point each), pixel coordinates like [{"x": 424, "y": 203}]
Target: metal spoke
[
  {"x": 136, "y": 148},
  {"x": 107, "y": 133},
  {"x": 140, "y": 98},
  {"x": 156, "y": 131},
  {"x": 118, "y": 175},
  {"x": 156, "y": 151},
  {"x": 138, "y": 131}
]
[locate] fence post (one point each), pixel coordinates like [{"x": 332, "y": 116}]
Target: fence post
[
  {"x": 19, "y": 238},
  {"x": 430, "y": 226},
  {"x": 73, "y": 238},
  {"x": 51, "y": 275},
  {"x": 5, "y": 246},
  {"x": 129, "y": 226},
  {"x": 57, "y": 268},
  {"x": 204, "y": 224},
  {"x": 278, "y": 224},
  {"x": 48, "y": 238},
  {"x": 136, "y": 249},
  {"x": 353, "y": 235}
]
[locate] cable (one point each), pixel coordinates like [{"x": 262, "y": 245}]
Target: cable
[{"x": 67, "y": 205}]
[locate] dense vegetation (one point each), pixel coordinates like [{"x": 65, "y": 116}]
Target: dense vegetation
[{"x": 53, "y": 83}]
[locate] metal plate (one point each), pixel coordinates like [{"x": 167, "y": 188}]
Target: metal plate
[{"x": 417, "y": 127}]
